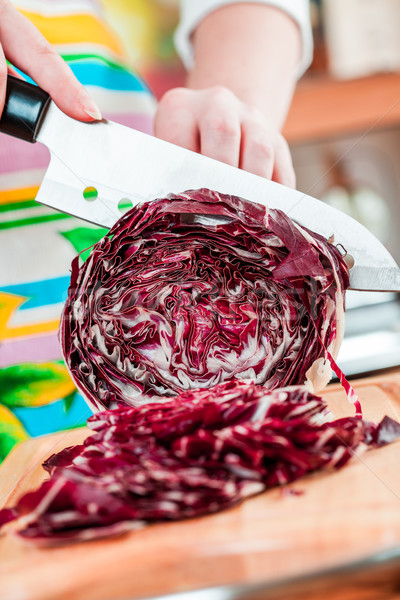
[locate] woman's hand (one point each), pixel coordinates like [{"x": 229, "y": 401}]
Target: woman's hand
[
  {"x": 216, "y": 123},
  {"x": 25, "y": 47},
  {"x": 242, "y": 72}
]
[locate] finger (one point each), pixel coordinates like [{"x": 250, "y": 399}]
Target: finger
[
  {"x": 220, "y": 135},
  {"x": 3, "y": 79},
  {"x": 28, "y": 50},
  {"x": 13, "y": 72},
  {"x": 176, "y": 123},
  {"x": 257, "y": 155},
  {"x": 283, "y": 166}
]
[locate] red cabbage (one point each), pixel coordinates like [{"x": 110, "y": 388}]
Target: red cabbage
[
  {"x": 217, "y": 302},
  {"x": 201, "y": 452},
  {"x": 193, "y": 290}
]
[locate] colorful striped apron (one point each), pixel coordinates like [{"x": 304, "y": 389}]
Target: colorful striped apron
[{"x": 38, "y": 244}]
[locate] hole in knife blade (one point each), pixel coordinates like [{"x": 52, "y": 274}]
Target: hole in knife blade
[
  {"x": 124, "y": 205},
  {"x": 90, "y": 193}
]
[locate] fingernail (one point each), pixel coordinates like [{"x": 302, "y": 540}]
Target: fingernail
[{"x": 92, "y": 110}]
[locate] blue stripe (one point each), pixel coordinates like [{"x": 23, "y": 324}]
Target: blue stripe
[
  {"x": 90, "y": 72},
  {"x": 40, "y": 293},
  {"x": 40, "y": 420}
]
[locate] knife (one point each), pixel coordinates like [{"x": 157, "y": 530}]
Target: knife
[{"x": 95, "y": 168}]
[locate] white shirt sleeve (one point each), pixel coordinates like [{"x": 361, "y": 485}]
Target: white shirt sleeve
[{"x": 193, "y": 11}]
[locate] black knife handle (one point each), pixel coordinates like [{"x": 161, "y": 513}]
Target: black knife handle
[{"x": 24, "y": 109}]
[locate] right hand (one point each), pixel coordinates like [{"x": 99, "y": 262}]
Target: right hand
[
  {"x": 216, "y": 123},
  {"x": 26, "y": 48}
]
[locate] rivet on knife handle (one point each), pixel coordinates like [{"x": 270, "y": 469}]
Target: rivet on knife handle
[{"x": 24, "y": 109}]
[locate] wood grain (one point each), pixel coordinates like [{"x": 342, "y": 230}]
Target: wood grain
[{"x": 340, "y": 517}]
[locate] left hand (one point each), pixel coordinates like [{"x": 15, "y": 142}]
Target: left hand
[{"x": 216, "y": 123}]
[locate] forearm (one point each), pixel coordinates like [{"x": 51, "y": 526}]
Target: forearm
[
  {"x": 253, "y": 50},
  {"x": 246, "y": 58}
]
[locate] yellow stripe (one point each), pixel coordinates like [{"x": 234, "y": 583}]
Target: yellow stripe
[
  {"x": 7, "y": 418},
  {"x": 73, "y": 29},
  {"x": 9, "y": 303},
  {"x": 39, "y": 393},
  {"x": 8, "y": 196},
  {"x": 28, "y": 330}
]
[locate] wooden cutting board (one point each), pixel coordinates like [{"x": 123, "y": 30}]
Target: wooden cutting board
[{"x": 338, "y": 518}]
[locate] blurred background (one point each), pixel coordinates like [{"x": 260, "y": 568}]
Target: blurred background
[{"x": 343, "y": 129}]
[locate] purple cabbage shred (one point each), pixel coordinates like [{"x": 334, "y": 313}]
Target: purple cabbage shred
[{"x": 201, "y": 452}]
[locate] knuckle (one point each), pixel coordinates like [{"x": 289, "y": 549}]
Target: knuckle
[
  {"x": 264, "y": 149},
  {"x": 255, "y": 116},
  {"x": 221, "y": 125},
  {"x": 44, "y": 49},
  {"x": 221, "y": 94},
  {"x": 173, "y": 99},
  {"x": 167, "y": 120}
]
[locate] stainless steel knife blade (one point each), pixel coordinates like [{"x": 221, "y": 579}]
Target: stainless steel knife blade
[{"x": 125, "y": 164}]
